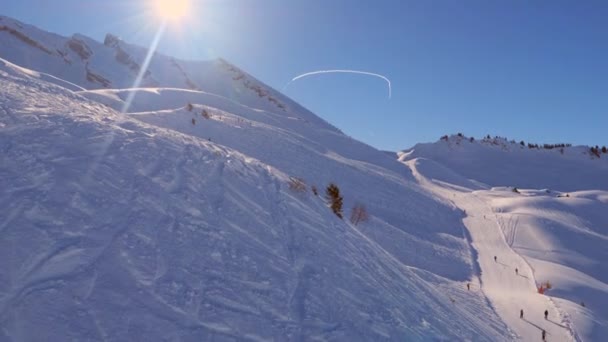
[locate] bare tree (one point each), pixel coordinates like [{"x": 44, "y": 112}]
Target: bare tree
[
  {"x": 297, "y": 184},
  {"x": 358, "y": 214}
]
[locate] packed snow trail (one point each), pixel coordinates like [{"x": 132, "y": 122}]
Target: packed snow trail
[{"x": 507, "y": 291}]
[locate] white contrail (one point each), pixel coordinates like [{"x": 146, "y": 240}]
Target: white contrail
[{"x": 344, "y": 71}]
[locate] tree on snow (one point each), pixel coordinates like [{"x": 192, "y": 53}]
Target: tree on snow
[
  {"x": 358, "y": 214},
  {"x": 333, "y": 196}
]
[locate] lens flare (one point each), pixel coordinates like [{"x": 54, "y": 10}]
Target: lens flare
[
  {"x": 143, "y": 69},
  {"x": 171, "y": 9}
]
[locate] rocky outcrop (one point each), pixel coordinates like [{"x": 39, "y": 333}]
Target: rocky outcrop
[
  {"x": 95, "y": 78},
  {"x": 187, "y": 79},
  {"x": 25, "y": 39},
  {"x": 238, "y": 75},
  {"x": 121, "y": 55},
  {"x": 111, "y": 40},
  {"x": 64, "y": 55},
  {"x": 80, "y": 48}
]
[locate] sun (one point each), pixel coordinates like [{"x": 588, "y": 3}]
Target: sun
[{"x": 171, "y": 9}]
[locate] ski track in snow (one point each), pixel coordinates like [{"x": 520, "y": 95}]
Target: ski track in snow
[{"x": 507, "y": 291}]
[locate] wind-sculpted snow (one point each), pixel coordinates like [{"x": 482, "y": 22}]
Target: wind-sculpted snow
[
  {"x": 116, "y": 229},
  {"x": 13, "y": 69}
]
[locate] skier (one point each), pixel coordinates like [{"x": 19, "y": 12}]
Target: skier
[
  {"x": 546, "y": 314},
  {"x": 521, "y": 313},
  {"x": 495, "y": 258},
  {"x": 469, "y": 286},
  {"x": 544, "y": 334},
  {"x": 516, "y": 271}
]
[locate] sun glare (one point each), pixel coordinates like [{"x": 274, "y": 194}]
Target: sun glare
[{"x": 171, "y": 9}]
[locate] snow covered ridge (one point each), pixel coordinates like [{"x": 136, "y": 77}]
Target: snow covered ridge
[
  {"x": 497, "y": 161},
  {"x": 155, "y": 226},
  {"x": 115, "y": 64},
  {"x": 506, "y": 144}
]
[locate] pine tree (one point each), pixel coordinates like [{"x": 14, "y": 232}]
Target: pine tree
[{"x": 333, "y": 196}]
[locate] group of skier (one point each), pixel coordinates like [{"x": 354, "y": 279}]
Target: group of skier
[
  {"x": 521, "y": 311},
  {"x": 544, "y": 333}
]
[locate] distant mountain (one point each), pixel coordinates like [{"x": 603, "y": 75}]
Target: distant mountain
[{"x": 496, "y": 161}]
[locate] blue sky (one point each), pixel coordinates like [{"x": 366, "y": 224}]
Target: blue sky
[{"x": 531, "y": 70}]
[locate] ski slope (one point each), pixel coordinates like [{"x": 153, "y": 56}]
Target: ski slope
[
  {"x": 508, "y": 292},
  {"x": 563, "y": 238},
  {"x": 547, "y": 235}
]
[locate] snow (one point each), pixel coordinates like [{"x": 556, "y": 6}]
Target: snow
[
  {"x": 498, "y": 162},
  {"x": 116, "y": 64},
  {"x": 548, "y": 235},
  {"x": 17, "y": 70},
  {"x": 170, "y": 222},
  {"x": 138, "y": 227}
]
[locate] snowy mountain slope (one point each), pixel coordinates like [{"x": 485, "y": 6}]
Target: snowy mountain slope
[
  {"x": 548, "y": 236},
  {"x": 498, "y": 162},
  {"x": 321, "y": 156},
  {"x": 171, "y": 102},
  {"x": 115, "y": 64},
  {"x": 178, "y": 223},
  {"x": 115, "y": 229},
  {"x": 509, "y": 292},
  {"x": 157, "y": 99},
  {"x": 564, "y": 239},
  {"x": 13, "y": 69}
]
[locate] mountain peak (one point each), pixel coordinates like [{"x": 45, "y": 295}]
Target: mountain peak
[
  {"x": 111, "y": 40},
  {"x": 115, "y": 64}
]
